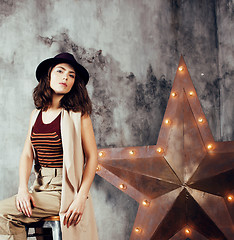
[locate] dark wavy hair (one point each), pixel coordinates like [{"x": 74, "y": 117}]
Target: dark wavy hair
[{"x": 77, "y": 100}]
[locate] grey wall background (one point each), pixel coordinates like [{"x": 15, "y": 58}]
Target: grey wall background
[{"x": 131, "y": 49}]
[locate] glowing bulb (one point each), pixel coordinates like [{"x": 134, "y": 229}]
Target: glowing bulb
[
  {"x": 122, "y": 186},
  {"x": 181, "y": 68},
  {"x": 174, "y": 94},
  {"x": 101, "y": 154},
  {"x": 131, "y": 152},
  {"x": 202, "y": 74},
  {"x": 200, "y": 120},
  {"x": 187, "y": 231},
  {"x": 138, "y": 230},
  {"x": 98, "y": 168},
  {"x": 167, "y": 121},
  {"x": 146, "y": 203},
  {"x": 230, "y": 198},
  {"x": 191, "y": 93},
  {"x": 160, "y": 150},
  {"x": 209, "y": 146}
]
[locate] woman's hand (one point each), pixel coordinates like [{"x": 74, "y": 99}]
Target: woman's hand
[
  {"x": 23, "y": 202},
  {"x": 75, "y": 211}
]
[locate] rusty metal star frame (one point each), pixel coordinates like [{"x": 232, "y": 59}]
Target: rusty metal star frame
[{"x": 183, "y": 184}]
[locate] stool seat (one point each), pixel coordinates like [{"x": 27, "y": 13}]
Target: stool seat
[
  {"x": 51, "y": 218},
  {"x": 47, "y": 228}
]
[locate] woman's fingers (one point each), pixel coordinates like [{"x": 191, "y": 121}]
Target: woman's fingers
[
  {"x": 29, "y": 207},
  {"x": 66, "y": 217},
  {"x": 23, "y": 204},
  {"x": 23, "y": 208},
  {"x": 78, "y": 219},
  {"x": 26, "y": 208},
  {"x": 72, "y": 217}
]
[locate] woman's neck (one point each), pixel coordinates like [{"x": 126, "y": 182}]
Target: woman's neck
[{"x": 55, "y": 104}]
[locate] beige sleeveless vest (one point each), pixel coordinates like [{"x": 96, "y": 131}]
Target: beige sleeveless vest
[{"x": 73, "y": 164}]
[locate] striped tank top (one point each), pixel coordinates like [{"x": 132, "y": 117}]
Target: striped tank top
[{"x": 47, "y": 142}]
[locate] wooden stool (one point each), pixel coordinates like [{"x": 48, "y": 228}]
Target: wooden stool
[{"x": 46, "y": 229}]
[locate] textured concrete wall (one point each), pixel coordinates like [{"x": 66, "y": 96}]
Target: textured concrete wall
[
  {"x": 225, "y": 14},
  {"x": 131, "y": 49}
]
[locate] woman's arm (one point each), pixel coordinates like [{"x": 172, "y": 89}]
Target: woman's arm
[
  {"x": 90, "y": 150},
  {"x": 76, "y": 209},
  {"x": 24, "y": 198}
]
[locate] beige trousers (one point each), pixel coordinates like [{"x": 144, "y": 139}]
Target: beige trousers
[{"x": 46, "y": 192}]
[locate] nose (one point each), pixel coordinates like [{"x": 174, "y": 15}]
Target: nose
[{"x": 65, "y": 76}]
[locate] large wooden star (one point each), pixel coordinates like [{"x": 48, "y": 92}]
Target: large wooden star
[{"x": 183, "y": 184}]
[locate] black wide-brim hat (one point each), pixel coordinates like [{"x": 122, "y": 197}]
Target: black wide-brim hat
[{"x": 65, "y": 57}]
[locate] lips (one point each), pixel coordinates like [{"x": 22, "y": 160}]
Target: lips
[{"x": 64, "y": 84}]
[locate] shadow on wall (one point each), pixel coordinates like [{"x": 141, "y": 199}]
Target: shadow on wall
[{"x": 115, "y": 210}]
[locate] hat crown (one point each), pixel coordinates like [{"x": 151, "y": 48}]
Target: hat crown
[{"x": 66, "y": 56}]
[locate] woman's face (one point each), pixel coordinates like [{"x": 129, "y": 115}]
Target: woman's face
[{"x": 62, "y": 78}]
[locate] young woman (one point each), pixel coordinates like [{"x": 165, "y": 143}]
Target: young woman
[{"x": 61, "y": 142}]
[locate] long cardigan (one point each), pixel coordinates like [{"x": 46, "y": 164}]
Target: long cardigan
[{"x": 73, "y": 166}]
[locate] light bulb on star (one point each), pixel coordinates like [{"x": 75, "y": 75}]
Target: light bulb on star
[
  {"x": 230, "y": 198},
  {"x": 122, "y": 186},
  {"x": 210, "y": 146},
  {"x": 200, "y": 120},
  {"x": 131, "y": 152},
  {"x": 101, "y": 154},
  {"x": 167, "y": 121},
  {"x": 181, "y": 68},
  {"x": 160, "y": 150},
  {"x": 145, "y": 203},
  {"x": 98, "y": 168},
  {"x": 138, "y": 230},
  {"x": 191, "y": 93}
]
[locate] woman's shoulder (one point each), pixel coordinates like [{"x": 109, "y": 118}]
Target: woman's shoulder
[
  {"x": 34, "y": 115},
  {"x": 78, "y": 116},
  {"x": 34, "y": 112},
  {"x": 75, "y": 114}
]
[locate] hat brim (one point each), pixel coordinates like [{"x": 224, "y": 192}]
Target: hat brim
[{"x": 44, "y": 66}]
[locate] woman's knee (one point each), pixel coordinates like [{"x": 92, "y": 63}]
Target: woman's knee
[{"x": 8, "y": 206}]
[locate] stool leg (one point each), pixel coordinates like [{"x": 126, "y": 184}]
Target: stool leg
[
  {"x": 56, "y": 231},
  {"x": 26, "y": 230},
  {"x": 40, "y": 232}
]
